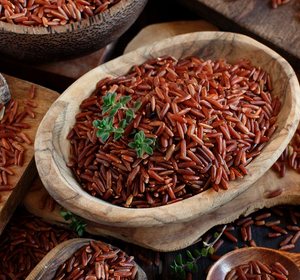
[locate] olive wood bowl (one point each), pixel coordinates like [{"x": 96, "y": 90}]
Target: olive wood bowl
[
  {"x": 45, "y": 44},
  {"x": 47, "y": 267},
  {"x": 52, "y": 149}
]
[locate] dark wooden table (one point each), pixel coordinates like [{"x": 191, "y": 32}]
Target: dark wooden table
[
  {"x": 259, "y": 235},
  {"x": 277, "y": 28},
  {"x": 161, "y": 11}
]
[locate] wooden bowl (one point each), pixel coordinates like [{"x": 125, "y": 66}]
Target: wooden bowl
[
  {"x": 44, "y": 44},
  {"x": 233, "y": 259},
  {"x": 52, "y": 148},
  {"x": 47, "y": 267}
]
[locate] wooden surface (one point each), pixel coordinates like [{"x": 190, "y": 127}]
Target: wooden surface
[
  {"x": 52, "y": 147},
  {"x": 75, "y": 68},
  {"x": 178, "y": 236},
  {"x": 175, "y": 237},
  {"x": 53, "y": 43},
  {"x": 278, "y": 28},
  {"x": 153, "y": 14},
  {"x": 56, "y": 75},
  {"x": 23, "y": 175},
  {"x": 291, "y": 261},
  {"x": 46, "y": 269},
  {"x": 156, "y": 32}
]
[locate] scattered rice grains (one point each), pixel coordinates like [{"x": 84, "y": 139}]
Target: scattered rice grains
[
  {"x": 274, "y": 3},
  {"x": 51, "y": 12},
  {"x": 25, "y": 241},
  {"x": 12, "y": 138},
  {"x": 285, "y": 236},
  {"x": 209, "y": 118},
  {"x": 290, "y": 156}
]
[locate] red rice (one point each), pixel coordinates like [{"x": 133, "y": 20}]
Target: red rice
[
  {"x": 11, "y": 136},
  {"x": 98, "y": 260},
  {"x": 24, "y": 242},
  {"x": 276, "y": 193},
  {"x": 50, "y": 12},
  {"x": 209, "y": 130},
  {"x": 272, "y": 223},
  {"x": 287, "y": 247},
  {"x": 290, "y": 157},
  {"x": 144, "y": 259},
  {"x": 257, "y": 270}
]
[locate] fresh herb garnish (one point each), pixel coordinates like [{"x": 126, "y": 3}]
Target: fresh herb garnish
[
  {"x": 141, "y": 144},
  {"x": 106, "y": 126},
  {"x": 179, "y": 267},
  {"x": 76, "y": 223}
]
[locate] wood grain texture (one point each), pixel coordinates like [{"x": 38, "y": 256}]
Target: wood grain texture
[
  {"x": 52, "y": 147},
  {"x": 42, "y": 44},
  {"x": 75, "y": 68},
  {"x": 57, "y": 75},
  {"x": 156, "y": 32},
  {"x": 47, "y": 267},
  {"x": 291, "y": 261},
  {"x": 277, "y": 28},
  {"x": 177, "y": 236},
  {"x": 23, "y": 175}
]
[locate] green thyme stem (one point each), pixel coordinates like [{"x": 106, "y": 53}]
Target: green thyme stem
[
  {"x": 75, "y": 223},
  {"x": 211, "y": 245},
  {"x": 106, "y": 126},
  {"x": 179, "y": 267}
]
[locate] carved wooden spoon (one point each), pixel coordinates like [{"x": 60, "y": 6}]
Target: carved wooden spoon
[
  {"x": 291, "y": 261},
  {"x": 47, "y": 267}
]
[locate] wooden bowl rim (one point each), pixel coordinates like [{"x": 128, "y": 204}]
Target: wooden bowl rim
[
  {"x": 70, "y": 27},
  {"x": 107, "y": 213}
]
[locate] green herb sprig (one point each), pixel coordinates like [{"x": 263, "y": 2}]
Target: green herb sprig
[
  {"x": 179, "y": 267},
  {"x": 76, "y": 223},
  {"x": 141, "y": 144},
  {"x": 105, "y": 126}
]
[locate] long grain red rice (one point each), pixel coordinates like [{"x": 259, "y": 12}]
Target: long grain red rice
[
  {"x": 50, "y": 12},
  {"x": 290, "y": 157},
  {"x": 12, "y": 138},
  {"x": 204, "y": 134},
  {"x": 257, "y": 270},
  {"x": 24, "y": 242},
  {"x": 98, "y": 260}
]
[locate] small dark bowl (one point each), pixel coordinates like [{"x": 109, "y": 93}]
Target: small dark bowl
[{"x": 45, "y": 44}]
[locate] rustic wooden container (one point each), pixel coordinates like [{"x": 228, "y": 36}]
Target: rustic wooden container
[
  {"x": 233, "y": 259},
  {"x": 44, "y": 44},
  {"x": 52, "y": 147},
  {"x": 47, "y": 267}
]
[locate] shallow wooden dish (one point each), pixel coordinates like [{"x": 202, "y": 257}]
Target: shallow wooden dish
[
  {"x": 235, "y": 258},
  {"x": 52, "y": 147},
  {"x": 44, "y": 44},
  {"x": 47, "y": 267}
]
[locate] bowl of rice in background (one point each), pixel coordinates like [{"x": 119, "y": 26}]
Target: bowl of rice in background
[
  {"x": 51, "y": 30},
  {"x": 181, "y": 179}
]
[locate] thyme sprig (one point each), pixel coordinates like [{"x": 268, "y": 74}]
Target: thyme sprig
[
  {"x": 141, "y": 144},
  {"x": 179, "y": 267},
  {"x": 76, "y": 223},
  {"x": 106, "y": 126}
]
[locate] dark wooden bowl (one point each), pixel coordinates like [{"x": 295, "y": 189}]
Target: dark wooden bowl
[{"x": 44, "y": 44}]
